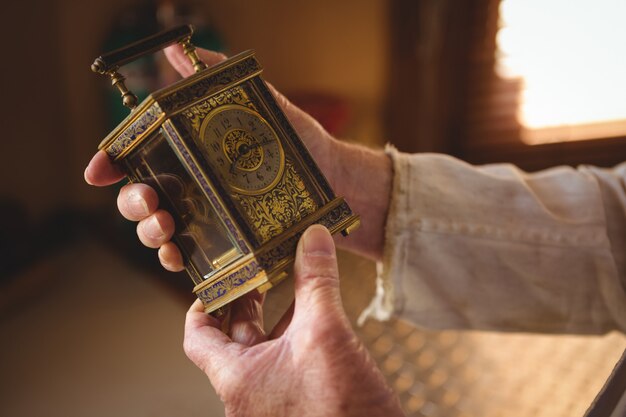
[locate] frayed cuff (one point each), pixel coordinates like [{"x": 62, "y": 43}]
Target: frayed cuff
[{"x": 383, "y": 305}]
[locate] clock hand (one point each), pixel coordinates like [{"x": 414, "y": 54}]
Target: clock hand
[
  {"x": 247, "y": 149},
  {"x": 240, "y": 153}
]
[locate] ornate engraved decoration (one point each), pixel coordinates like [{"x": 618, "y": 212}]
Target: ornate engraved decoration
[
  {"x": 235, "y": 95},
  {"x": 243, "y": 150},
  {"x": 268, "y": 98},
  {"x": 134, "y": 131},
  {"x": 273, "y": 256},
  {"x": 213, "y": 82},
  {"x": 273, "y": 212},
  {"x": 230, "y": 282}
]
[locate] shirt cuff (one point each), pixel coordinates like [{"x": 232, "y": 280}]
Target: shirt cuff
[{"x": 387, "y": 302}]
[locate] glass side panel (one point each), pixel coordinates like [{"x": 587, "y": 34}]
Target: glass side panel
[{"x": 200, "y": 233}]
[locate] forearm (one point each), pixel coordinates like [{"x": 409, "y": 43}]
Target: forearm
[
  {"x": 532, "y": 252},
  {"x": 364, "y": 177}
]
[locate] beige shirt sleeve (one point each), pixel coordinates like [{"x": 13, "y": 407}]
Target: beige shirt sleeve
[{"x": 496, "y": 248}]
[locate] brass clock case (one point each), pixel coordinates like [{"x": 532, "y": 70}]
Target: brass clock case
[{"x": 228, "y": 165}]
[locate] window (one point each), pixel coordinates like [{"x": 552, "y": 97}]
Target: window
[{"x": 568, "y": 56}]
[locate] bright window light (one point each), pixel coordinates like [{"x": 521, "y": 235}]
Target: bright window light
[{"x": 571, "y": 58}]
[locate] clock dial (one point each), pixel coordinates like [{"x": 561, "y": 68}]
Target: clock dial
[{"x": 243, "y": 148}]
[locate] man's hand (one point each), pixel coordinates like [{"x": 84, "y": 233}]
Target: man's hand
[
  {"x": 359, "y": 174},
  {"x": 311, "y": 364}
]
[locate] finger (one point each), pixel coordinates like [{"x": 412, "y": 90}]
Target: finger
[
  {"x": 181, "y": 62},
  {"x": 156, "y": 229},
  {"x": 101, "y": 171},
  {"x": 246, "y": 322},
  {"x": 137, "y": 201},
  {"x": 316, "y": 273},
  {"x": 282, "y": 324},
  {"x": 204, "y": 342},
  {"x": 170, "y": 257}
]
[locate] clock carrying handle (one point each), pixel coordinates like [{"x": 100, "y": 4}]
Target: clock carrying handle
[{"x": 109, "y": 63}]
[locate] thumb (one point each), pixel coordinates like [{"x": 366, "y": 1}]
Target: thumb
[
  {"x": 204, "y": 342},
  {"x": 181, "y": 62},
  {"x": 316, "y": 276}
]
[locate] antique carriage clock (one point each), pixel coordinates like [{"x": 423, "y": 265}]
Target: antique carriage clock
[{"x": 227, "y": 165}]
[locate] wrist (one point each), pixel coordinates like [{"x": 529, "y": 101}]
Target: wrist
[{"x": 364, "y": 177}]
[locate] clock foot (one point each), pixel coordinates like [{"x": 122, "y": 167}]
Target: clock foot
[
  {"x": 355, "y": 225},
  {"x": 273, "y": 281}
]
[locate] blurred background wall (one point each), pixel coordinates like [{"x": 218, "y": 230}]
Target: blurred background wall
[
  {"x": 54, "y": 108},
  {"x": 419, "y": 74}
]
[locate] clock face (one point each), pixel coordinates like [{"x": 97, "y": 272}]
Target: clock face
[{"x": 243, "y": 148}]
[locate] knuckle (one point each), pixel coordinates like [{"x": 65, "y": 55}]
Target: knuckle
[
  {"x": 321, "y": 270},
  {"x": 189, "y": 347}
]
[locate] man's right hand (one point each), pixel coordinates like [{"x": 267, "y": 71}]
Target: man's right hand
[{"x": 311, "y": 364}]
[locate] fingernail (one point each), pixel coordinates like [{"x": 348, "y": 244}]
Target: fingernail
[
  {"x": 154, "y": 225},
  {"x": 138, "y": 204},
  {"x": 86, "y": 175},
  {"x": 317, "y": 241}
]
